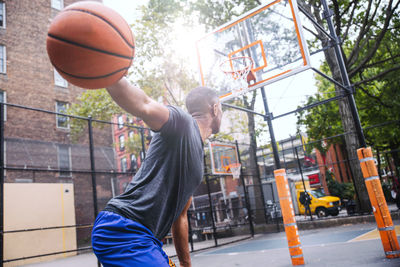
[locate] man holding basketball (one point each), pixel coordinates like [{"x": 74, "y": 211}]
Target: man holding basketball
[{"x": 128, "y": 231}]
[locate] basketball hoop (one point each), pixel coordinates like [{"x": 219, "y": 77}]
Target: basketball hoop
[
  {"x": 236, "y": 70},
  {"x": 235, "y": 170}
]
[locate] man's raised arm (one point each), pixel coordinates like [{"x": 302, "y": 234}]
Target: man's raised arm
[{"x": 136, "y": 102}]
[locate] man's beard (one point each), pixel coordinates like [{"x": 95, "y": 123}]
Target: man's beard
[{"x": 215, "y": 125}]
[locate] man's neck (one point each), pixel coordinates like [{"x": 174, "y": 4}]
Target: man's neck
[{"x": 204, "y": 126}]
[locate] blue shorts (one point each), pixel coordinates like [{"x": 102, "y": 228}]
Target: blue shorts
[{"x": 118, "y": 241}]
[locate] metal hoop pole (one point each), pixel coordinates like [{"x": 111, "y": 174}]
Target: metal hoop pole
[{"x": 345, "y": 77}]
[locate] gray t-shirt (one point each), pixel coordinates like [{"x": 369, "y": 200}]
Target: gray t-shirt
[{"x": 169, "y": 175}]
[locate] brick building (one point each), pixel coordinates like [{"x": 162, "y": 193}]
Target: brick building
[
  {"x": 38, "y": 145},
  {"x": 132, "y": 140},
  {"x": 335, "y": 160}
]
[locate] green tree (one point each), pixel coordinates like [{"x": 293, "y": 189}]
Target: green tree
[
  {"x": 343, "y": 190},
  {"x": 134, "y": 144},
  {"x": 157, "y": 69},
  {"x": 366, "y": 27},
  {"x": 91, "y": 103},
  {"x": 321, "y": 121}
]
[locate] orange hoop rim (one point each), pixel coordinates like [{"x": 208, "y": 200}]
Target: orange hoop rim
[{"x": 239, "y": 73}]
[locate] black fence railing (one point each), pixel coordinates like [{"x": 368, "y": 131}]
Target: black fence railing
[{"x": 98, "y": 158}]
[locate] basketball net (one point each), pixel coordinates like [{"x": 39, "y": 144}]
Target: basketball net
[
  {"x": 235, "y": 170},
  {"x": 236, "y": 70}
]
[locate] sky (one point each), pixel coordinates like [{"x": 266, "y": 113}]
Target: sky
[
  {"x": 126, "y": 8},
  {"x": 185, "y": 42},
  {"x": 282, "y": 96}
]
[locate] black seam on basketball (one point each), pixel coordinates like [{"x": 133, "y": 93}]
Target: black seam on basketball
[
  {"x": 87, "y": 47},
  {"x": 90, "y": 78},
  {"x": 105, "y": 20}
]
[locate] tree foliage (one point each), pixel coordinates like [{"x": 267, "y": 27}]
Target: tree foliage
[
  {"x": 341, "y": 190},
  {"x": 216, "y": 13},
  {"x": 373, "y": 64},
  {"x": 370, "y": 45},
  {"x": 91, "y": 103},
  {"x": 321, "y": 121},
  {"x": 157, "y": 69}
]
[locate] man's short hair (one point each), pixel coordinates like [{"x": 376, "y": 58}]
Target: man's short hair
[{"x": 200, "y": 100}]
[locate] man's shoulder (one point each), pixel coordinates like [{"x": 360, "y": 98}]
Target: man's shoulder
[
  {"x": 179, "y": 114},
  {"x": 179, "y": 122},
  {"x": 177, "y": 109}
]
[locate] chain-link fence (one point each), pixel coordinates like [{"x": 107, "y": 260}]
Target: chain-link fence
[{"x": 59, "y": 171}]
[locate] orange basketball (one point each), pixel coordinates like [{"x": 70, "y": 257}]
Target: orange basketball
[{"x": 90, "y": 45}]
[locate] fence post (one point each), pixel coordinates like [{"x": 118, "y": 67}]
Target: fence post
[
  {"x": 304, "y": 185},
  {"x": 258, "y": 177},
  {"x": 1, "y": 183},
  {"x": 92, "y": 166},
  {"x": 143, "y": 154},
  {"x": 211, "y": 211},
  {"x": 190, "y": 231},
  {"x": 246, "y": 197},
  {"x": 289, "y": 220},
  {"x": 93, "y": 171},
  {"x": 210, "y": 202},
  {"x": 378, "y": 203}
]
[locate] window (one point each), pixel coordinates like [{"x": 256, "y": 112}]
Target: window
[
  {"x": 133, "y": 163},
  {"x": 130, "y": 135},
  {"x": 64, "y": 160},
  {"x": 2, "y": 15},
  {"x": 3, "y": 99},
  {"x": 59, "y": 80},
  {"x": 123, "y": 165},
  {"x": 3, "y": 59},
  {"x": 120, "y": 121},
  {"x": 121, "y": 142},
  {"x": 62, "y": 121},
  {"x": 57, "y": 4},
  {"x": 133, "y": 158},
  {"x": 130, "y": 120}
]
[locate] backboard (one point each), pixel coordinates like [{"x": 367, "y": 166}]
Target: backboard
[
  {"x": 270, "y": 34},
  {"x": 221, "y": 156}
]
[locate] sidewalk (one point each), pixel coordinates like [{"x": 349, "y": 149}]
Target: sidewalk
[{"x": 342, "y": 218}]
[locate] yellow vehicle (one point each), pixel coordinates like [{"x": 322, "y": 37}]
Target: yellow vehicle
[{"x": 321, "y": 205}]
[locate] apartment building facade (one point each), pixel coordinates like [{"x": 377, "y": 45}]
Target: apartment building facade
[{"x": 39, "y": 146}]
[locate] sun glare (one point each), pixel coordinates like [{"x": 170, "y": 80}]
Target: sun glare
[{"x": 185, "y": 42}]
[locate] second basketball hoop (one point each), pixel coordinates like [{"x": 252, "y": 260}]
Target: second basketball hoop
[
  {"x": 236, "y": 70},
  {"x": 235, "y": 169}
]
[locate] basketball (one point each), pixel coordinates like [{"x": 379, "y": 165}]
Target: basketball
[{"x": 90, "y": 45}]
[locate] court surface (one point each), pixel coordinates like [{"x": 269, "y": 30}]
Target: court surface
[
  {"x": 348, "y": 245},
  {"x": 351, "y": 245}
]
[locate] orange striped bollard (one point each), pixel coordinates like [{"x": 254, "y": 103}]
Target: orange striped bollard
[
  {"x": 378, "y": 202},
  {"x": 289, "y": 221}
]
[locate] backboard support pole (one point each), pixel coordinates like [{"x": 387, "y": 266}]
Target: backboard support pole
[
  {"x": 345, "y": 77},
  {"x": 268, "y": 119}
]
